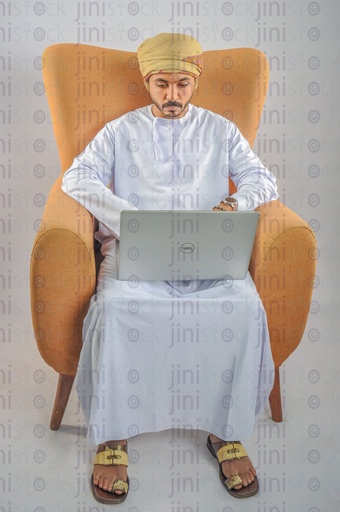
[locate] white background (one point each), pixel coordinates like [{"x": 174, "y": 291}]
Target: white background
[{"x": 298, "y": 139}]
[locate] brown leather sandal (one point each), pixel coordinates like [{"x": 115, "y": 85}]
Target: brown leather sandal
[
  {"x": 111, "y": 454},
  {"x": 224, "y": 450}
]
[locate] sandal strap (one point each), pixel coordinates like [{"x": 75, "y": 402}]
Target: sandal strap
[
  {"x": 120, "y": 485},
  {"x": 231, "y": 451},
  {"x": 114, "y": 456}
]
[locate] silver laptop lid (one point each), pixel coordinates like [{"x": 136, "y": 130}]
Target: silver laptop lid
[{"x": 158, "y": 245}]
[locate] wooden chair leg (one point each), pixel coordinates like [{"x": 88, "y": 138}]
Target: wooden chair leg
[
  {"x": 64, "y": 388},
  {"x": 275, "y": 398}
]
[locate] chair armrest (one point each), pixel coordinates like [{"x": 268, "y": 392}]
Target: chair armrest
[
  {"x": 63, "y": 279},
  {"x": 283, "y": 266}
]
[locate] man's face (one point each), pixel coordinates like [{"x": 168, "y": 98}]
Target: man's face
[{"x": 171, "y": 93}]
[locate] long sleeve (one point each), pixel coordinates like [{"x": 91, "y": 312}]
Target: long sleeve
[
  {"x": 255, "y": 184},
  {"x": 89, "y": 177}
]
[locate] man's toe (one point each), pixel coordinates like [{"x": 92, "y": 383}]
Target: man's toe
[{"x": 103, "y": 483}]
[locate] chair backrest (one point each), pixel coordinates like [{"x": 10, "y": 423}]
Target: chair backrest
[{"x": 87, "y": 86}]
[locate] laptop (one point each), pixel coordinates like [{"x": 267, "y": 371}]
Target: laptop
[{"x": 177, "y": 245}]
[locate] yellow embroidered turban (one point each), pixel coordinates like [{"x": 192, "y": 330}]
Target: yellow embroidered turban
[{"x": 170, "y": 53}]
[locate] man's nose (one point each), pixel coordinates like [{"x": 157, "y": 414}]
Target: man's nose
[{"x": 172, "y": 94}]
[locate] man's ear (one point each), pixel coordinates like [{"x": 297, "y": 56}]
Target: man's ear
[
  {"x": 147, "y": 85},
  {"x": 196, "y": 83}
]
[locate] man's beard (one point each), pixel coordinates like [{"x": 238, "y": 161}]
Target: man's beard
[{"x": 170, "y": 104}]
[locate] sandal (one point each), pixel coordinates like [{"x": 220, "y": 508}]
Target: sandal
[
  {"x": 111, "y": 454},
  {"x": 224, "y": 450}
]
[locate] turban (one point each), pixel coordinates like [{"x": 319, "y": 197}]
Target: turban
[{"x": 170, "y": 53}]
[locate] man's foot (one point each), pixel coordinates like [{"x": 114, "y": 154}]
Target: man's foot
[
  {"x": 110, "y": 483},
  {"x": 237, "y": 473}
]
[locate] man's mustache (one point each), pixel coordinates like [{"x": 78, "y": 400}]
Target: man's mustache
[{"x": 172, "y": 104}]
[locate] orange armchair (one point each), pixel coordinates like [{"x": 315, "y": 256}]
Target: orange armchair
[{"x": 87, "y": 86}]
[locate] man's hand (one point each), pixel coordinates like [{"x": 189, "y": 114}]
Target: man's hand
[{"x": 222, "y": 206}]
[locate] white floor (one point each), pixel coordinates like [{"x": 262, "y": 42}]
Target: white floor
[{"x": 298, "y": 461}]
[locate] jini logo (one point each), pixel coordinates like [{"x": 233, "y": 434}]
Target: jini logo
[{"x": 183, "y": 226}]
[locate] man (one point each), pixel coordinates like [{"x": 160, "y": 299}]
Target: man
[{"x": 138, "y": 336}]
